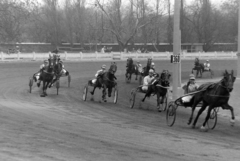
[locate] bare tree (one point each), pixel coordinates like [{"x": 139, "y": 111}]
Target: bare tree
[
  {"x": 13, "y": 17},
  {"x": 118, "y": 22},
  {"x": 205, "y": 22}
]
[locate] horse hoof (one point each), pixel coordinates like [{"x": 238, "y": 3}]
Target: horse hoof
[
  {"x": 42, "y": 95},
  {"x": 193, "y": 126},
  {"x": 92, "y": 99},
  {"x": 203, "y": 129},
  {"x": 91, "y": 93},
  {"x": 232, "y": 122}
]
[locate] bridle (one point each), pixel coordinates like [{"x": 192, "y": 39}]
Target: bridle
[{"x": 219, "y": 84}]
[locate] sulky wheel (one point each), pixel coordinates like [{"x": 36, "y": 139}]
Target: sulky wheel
[
  {"x": 30, "y": 84},
  {"x": 85, "y": 91},
  {"x": 165, "y": 102},
  {"x": 115, "y": 95},
  {"x": 212, "y": 122},
  {"x": 69, "y": 80},
  {"x": 57, "y": 85},
  {"x": 132, "y": 98},
  {"x": 171, "y": 113}
]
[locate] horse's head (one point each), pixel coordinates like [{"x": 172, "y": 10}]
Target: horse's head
[
  {"x": 196, "y": 59},
  {"x": 50, "y": 65},
  {"x": 228, "y": 80},
  {"x": 129, "y": 62},
  {"x": 113, "y": 68},
  {"x": 165, "y": 78},
  {"x": 149, "y": 62}
]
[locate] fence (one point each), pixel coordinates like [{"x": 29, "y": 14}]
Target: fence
[{"x": 118, "y": 55}]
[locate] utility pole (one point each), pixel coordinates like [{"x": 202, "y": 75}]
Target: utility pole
[
  {"x": 238, "y": 54},
  {"x": 176, "y": 47}
]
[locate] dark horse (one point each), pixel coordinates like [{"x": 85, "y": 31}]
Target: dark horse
[
  {"x": 160, "y": 87},
  {"x": 47, "y": 77},
  {"x": 131, "y": 69},
  {"x": 214, "y": 95},
  {"x": 106, "y": 81},
  {"x": 57, "y": 68},
  {"x": 146, "y": 69},
  {"x": 199, "y": 67}
]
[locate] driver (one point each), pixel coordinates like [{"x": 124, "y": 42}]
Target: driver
[
  {"x": 139, "y": 66},
  {"x": 99, "y": 73},
  {"x": 152, "y": 66},
  {"x": 42, "y": 67},
  {"x": 207, "y": 65},
  {"x": 148, "y": 80},
  {"x": 189, "y": 87}
]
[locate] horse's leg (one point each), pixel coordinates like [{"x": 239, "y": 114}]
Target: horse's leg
[
  {"x": 195, "y": 102},
  {"x": 104, "y": 93},
  {"x": 109, "y": 92},
  {"x": 43, "y": 88},
  {"x": 148, "y": 93},
  {"x": 46, "y": 88},
  {"x": 228, "y": 107},
  {"x": 207, "y": 118},
  {"x": 92, "y": 92},
  {"x": 204, "y": 105},
  {"x": 158, "y": 102},
  {"x": 52, "y": 82},
  {"x": 201, "y": 71}
]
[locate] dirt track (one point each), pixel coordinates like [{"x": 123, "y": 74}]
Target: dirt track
[{"x": 65, "y": 128}]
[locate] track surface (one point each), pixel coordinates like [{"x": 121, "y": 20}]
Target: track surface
[{"x": 65, "y": 128}]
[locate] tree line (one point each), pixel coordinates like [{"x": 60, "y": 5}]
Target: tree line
[{"x": 116, "y": 21}]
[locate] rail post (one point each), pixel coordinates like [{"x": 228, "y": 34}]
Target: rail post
[
  {"x": 34, "y": 58},
  {"x": 80, "y": 55},
  {"x": 96, "y": 54},
  {"x": 18, "y": 55},
  {"x": 2, "y": 56},
  {"x": 65, "y": 55}
]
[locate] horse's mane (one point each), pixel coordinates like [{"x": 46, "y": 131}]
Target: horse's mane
[{"x": 211, "y": 85}]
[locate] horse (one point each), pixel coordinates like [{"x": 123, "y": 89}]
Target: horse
[
  {"x": 131, "y": 69},
  {"x": 214, "y": 95},
  {"x": 47, "y": 77},
  {"x": 147, "y": 68},
  {"x": 106, "y": 81},
  {"x": 199, "y": 67},
  {"x": 160, "y": 87},
  {"x": 57, "y": 68}
]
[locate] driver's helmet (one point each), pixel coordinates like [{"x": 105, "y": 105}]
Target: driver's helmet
[
  {"x": 207, "y": 60},
  {"x": 50, "y": 56},
  {"x": 103, "y": 66},
  {"x": 151, "y": 71},
  {"x": 152, "y": 64},
  {"x": 45, "y": 61}
]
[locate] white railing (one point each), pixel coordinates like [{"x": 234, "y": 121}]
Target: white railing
[{"x": 118, "y": 55}]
